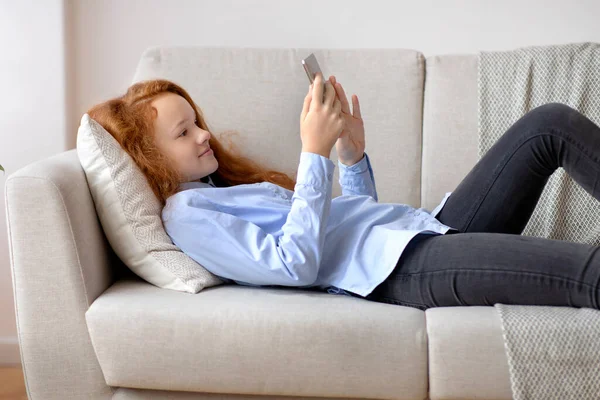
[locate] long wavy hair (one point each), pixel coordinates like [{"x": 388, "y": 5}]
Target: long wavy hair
[{"x": 129, "y": 119}]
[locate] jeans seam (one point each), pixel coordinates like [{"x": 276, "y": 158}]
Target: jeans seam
[
  {"x": 536, "y": 133},
  {"x": 401, "y": 302},
  {"x": 568, "y": 280}
]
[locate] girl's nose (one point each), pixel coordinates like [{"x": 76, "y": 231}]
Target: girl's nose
[{"x": 203, "y": 136}]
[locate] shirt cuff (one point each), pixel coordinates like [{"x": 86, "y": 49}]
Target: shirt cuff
[
  {"x": 314, "y": 170},
  {"x": 357, "y": 168}
]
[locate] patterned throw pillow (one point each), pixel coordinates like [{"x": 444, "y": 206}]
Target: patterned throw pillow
[{"x": 130, "y": 214}]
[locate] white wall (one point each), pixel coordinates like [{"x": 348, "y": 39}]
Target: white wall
[
  {"x": 106, "y": 38},
  {"x": 32, "y": 115},
  {"x": 110, "y": 35}
]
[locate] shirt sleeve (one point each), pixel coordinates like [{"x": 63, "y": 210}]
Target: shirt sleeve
[
  {"x": 358, "y": 179},
  {"x": 236, "y": 249}
]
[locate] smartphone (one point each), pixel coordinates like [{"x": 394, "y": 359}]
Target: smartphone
[{"x": 311, "y": 67}]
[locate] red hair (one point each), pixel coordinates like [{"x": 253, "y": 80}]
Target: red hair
[{"x": 129, "y": 119}]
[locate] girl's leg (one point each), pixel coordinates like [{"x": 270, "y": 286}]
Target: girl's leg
[
  {"x": 501, "y": 192},
  {"x": 472, "y": 269},
  {"x": 489, "y": 261}
]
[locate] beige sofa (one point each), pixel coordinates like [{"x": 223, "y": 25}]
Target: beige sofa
[{"x": 90, "y": 329}]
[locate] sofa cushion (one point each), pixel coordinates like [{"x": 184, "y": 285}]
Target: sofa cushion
[
  {"x": 263, "y": 341},
  {"x": 142, "y": 394},
  {"x": 449, "y": 124},
  {"x": 130, "y": 214},
  {"x": 258, "y": 92},
  {"x": 467, "y": 358}
]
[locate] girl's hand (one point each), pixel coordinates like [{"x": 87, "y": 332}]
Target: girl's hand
[
  {"x": 320, "y": 122},
  {"x": 350, "y": 146}
]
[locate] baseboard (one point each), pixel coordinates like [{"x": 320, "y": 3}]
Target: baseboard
[{"x": 9, "y": 351}]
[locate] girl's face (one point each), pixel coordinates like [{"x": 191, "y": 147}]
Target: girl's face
[{"x": 180, "y": 138}]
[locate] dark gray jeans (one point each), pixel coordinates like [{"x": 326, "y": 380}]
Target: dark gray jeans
[{"x": 488, "y": 261}]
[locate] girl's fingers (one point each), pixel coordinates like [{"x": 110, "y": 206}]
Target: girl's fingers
[
  {"x": 343, "y": 99},
  {"x": 355, "y": 107},
  {"x": 306, "y": 105},
  {"x": 319, "y": 88}
]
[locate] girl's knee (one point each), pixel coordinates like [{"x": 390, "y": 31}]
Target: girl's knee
[
  {"x": 552, "y": 117},
  {"x": 554, "y": 113},
  {"x": 551, "y": 110}
]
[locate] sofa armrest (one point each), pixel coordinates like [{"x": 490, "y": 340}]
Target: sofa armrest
[{"x": 60, "y": 263}]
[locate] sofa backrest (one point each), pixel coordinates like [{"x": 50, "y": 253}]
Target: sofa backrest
[
  {"x": 420, "y": 113},
  {"x": 450, "y": 125},
  {"x": 259, "y": 93}
]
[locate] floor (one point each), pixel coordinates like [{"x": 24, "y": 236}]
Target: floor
[{"x": 12, "y": 384}]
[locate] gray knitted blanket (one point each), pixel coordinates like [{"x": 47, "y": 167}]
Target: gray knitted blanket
[
  {"x": 553, "y": 352},
  {"x": 510, "y": 84}
]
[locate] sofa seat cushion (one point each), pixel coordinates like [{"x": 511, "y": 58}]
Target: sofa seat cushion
[
  {"x": 467, "y": 358},
  {"x": 143, "y": 394},
  {"x": 263, "y": 341}
]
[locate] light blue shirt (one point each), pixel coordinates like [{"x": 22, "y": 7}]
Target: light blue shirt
[{"x": 265, "y": 235}]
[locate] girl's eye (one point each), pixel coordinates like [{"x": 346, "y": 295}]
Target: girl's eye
[{"x": 183, "y": 133}]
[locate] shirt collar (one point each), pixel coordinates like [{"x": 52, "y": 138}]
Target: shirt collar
[{"x": 197, "y": 184}]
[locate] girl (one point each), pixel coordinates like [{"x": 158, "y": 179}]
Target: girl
[{"x": 254, "y": 226}]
